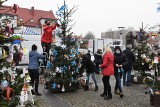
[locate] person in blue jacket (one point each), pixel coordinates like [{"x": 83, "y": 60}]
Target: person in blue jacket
[{"x": 33, "y": 68}]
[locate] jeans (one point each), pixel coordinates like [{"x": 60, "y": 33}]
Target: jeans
[
  {"x": 34, "y": 74},
  {"x": 128, "y": 72},
  {"x": 118, "y": 82},
  {"x": 106, "y": 84},
  {"x": 93, "y": 77}
]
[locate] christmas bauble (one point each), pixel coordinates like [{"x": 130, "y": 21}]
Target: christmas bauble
[{"x": 58, "y": 86}]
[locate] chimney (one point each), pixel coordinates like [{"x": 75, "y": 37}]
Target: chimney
[{"x": 32, "y": 10}]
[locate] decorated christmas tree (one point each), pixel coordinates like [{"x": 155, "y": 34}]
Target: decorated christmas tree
[
  {"x": 64, "y": 58},
  {"x": 14, "y": 84}
]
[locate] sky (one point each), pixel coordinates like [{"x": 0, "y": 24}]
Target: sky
[{"x": 101, "y": 15}]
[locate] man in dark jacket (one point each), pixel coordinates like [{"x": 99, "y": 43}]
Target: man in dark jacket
[
  {"x": 120, "y": 61},
  {"x": 90, "y": 69},
  {"x": 98, "y": 59},
  {"x": 127, "y": 69}
]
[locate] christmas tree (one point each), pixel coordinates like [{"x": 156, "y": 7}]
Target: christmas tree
[
  {"x": 64, "y": 58},
  {"x": 13, "y": 84}
]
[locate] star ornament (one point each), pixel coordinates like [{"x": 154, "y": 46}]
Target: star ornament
[
  {"x": 54, "y": 86},
  {"x": 63, "y": 46}
]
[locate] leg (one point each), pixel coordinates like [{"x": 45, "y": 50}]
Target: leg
[
  {"x": 36, "y": 77},
  {"x": 118, "y": 82},
  {"x": 108, "y": 86},
  {"x": 94, "y": 78},
  {"x": 87, "y": 82},
  {"x": 124, "y": 77},
  {"x": 105, "y": 86},
  {"x": 128, "y": 77},
  {"x": 95, "y": 81},
  {"x": 31, "y": 76}
]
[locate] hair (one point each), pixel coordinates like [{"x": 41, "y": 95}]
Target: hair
[
  {"x": 129, "y": 46},
  {"x": 107, "y": 49},
  {"x": 34, "y": 47},
  {"x": 46, "y": 21}
]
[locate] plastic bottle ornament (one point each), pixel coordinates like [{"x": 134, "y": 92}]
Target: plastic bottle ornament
[
  {"x": 24, "y": 96},
  {"x": 28, "y": 79},
  {"x": 8, "y": 93},
  {"x": 4, "y": 84},
  {"x": 135, "y": 79},
  {"x": 24, "y": 89},
  {"x": 63, "y": 89}
]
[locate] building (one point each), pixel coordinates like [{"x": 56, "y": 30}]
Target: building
[
  {"x": 30, "y": 19},
  {"x": 114, "y": 36}
]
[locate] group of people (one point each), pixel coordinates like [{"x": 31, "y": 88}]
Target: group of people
[{"x": 117, "y": 63}]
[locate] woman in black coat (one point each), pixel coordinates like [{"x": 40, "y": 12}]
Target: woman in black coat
[{"x": 90, "y": 70}]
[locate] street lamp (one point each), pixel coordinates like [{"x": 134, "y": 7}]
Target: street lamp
[
  {"x": 120, "y": 30},
  {"x": 29, "y": 20}
]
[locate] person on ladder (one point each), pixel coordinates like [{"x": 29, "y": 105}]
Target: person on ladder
[{"x": 46, "y": 38}]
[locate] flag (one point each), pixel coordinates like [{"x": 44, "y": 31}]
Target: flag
[{"x": 28, "y": 31}]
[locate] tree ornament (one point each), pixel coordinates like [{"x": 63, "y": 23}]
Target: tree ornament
[
  {"x": 54, "y": 86},
  {"x": 63, "y": 89},
  {"x": 63, "y": 46},
  {"x": 4, "y": 84},
  {"x": 7, "y": 94},
  {"x": 58, "y": 86}
]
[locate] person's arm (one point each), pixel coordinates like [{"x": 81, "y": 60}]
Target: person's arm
[
  {"x": 105, "y": 61},
  {"x": 45, "y": 27},
  {"x": 41, "y": 56}
]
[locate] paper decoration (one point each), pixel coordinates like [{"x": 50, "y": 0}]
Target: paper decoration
[
  {"x": 73, "y": 63},
  {"x": 54, "y": 86},
  {"x": 25, "y": 51},
  {"x": 55, "y": 53},
  {"x": 63, "y": 46}
]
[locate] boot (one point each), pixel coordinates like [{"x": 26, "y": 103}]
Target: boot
[
  {"x": 116, "y": 92},
  {"x": 86, "y": 88},
  {"x": 121, "y": 94},
  {"x": 108, "y": 97},
  {"x": 96, "y": 88}
]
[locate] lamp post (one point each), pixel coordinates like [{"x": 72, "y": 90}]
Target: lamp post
[{"x": 120, "y": 30}]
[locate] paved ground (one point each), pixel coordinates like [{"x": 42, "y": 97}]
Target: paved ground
[{"x": 134, "y": 96}]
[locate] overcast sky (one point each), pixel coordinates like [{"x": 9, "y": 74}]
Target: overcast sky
[{"x": 100, "y": 15}]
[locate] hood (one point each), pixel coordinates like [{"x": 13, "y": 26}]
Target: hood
[{"x": 117, "y": 47}]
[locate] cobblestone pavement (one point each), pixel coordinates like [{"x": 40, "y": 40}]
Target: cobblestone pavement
[{"x": 134, "y": 96}]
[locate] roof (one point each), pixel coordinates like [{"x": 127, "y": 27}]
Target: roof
[{"x": 27, "y": 14}]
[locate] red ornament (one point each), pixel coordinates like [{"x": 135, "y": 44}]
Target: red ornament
[{"x": 8, "y": 93}]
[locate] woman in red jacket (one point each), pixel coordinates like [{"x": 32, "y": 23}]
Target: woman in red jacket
[
  {"x": 46, "y": 38},
  {"x": 107, "y": 70}
]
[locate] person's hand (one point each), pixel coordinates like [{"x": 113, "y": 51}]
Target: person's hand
[
  {"x": 117, "y": 65},
  {"x": 121, "y": 65}
]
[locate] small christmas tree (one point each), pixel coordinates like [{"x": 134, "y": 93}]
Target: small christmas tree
[{"x": 64, "y": 58}]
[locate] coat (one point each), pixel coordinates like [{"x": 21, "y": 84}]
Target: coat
[
  {"x": 34, "y": 57},
  {"x": 120, "y": 59},
  {"x": 107, "y": 64},
  {"x": 47, "y": 35},
  {"x": 88, "y": 65},
  {"x": 97, "y": 58},
  {"x": 130, "y": 57}
]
